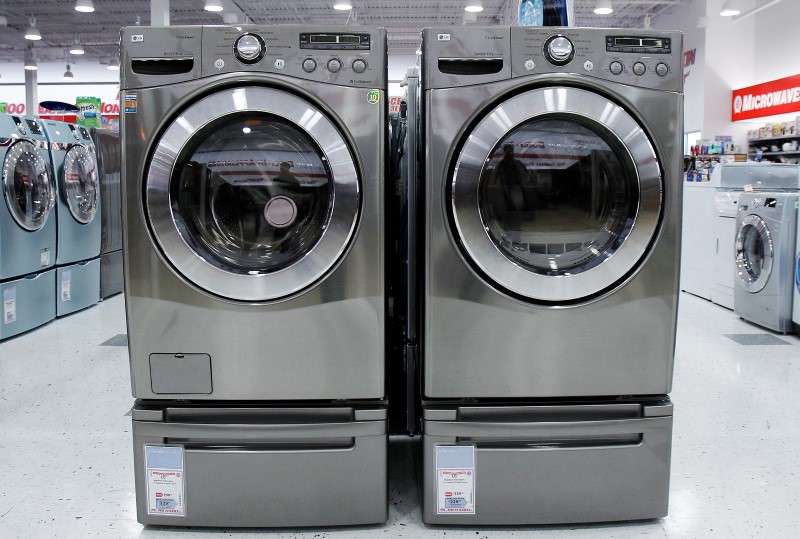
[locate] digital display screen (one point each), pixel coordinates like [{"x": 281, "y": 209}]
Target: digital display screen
[
  {"x": 638, "y": 42},
  {"x": 331, "y": 39},
  {"x": 335, "y": 41},
  {"x": 650, "y": 45}
]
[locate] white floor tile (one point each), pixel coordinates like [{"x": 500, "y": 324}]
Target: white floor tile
[{"x": 66, "y": 463}]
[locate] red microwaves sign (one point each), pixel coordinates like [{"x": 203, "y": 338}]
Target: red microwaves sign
[{"x": 780, "y": 96}]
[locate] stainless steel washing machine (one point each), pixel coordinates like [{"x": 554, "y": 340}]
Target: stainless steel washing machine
[
  {"x": 253, "y": 167},
  {"x": 553, "y": 199},
  {"x": 766, "y": 226}
]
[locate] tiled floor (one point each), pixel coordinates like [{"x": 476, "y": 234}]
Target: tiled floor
[{"x": 65, "y": 442}]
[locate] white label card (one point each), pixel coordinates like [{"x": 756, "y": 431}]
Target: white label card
[
  {"x": 166, "y": 489},
  {"x": 44, "y": 258},
  {"x": 455, "y": 479},
  {"x": 66, "y": 286},
  {"x": 9, "y": 305}
]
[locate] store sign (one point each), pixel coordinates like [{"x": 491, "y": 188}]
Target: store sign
[{"x": 780, "y": 96}]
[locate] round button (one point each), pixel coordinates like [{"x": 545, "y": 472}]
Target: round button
[
  {"x": 309, "y": 65},
  {"x": 662, "y": 69},
  {"x": 334, "y": 65},
  {"x": 280, "y": 63},
  {"x": 219, "y": 63},
  {"x": 530, "y": 65},
  {"x": 639, "y": 68},
  {"x": 616, "y": 67},
  {"x": 249, "y": 48},
  {"x": 359, "y": 66},
  {"x": 559, "y": 50},
  {"x": 280, "y": 211},
  {"x": 588, "y": 65}
]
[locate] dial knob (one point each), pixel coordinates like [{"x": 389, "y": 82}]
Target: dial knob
[
  {"x": 639, "y": 68},
  {"x": 359, "y": 66},
  {"x": 249, "y": 48},
  {"x": 309, "y": 65},
  {"x": 334, "y": 65},
  {"x": 662, "y": 69},
  {"x": 615, "y": 67},
  {"x": 559, "y": 50}
]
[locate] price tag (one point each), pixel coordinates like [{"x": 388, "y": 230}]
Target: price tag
[
  {"x": 9, "y": 305},
  {"x": 455, "y": 479},
  {"x": 66, "y": 286},
  {"x": 166, "y": 489}
]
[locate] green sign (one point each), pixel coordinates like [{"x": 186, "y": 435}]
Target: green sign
[{"x": 373, "y": 97}]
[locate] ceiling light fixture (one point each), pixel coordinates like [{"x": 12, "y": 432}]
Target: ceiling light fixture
[
  {"x": 84, "y": 6},
  {"x": 603, "y": 7},
  {"x": 3, "y": 20},
  {"x": 113, "y": 64},
  {"x": 214, "y": 5},
  {"x": 32, "y": 33},
  {"x": 343, "y": 5},
  {"x": 68, "y": 74},
  {"x": 30, "y": 61},
  {"x": 77, "y": 48},
  {"x": 730, "y": 8},
  {"x": 474, "y": 6}
]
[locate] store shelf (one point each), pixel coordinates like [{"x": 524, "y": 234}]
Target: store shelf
[
  {"x": 770, "y": 139},
  {"x": 767, "y": 154}
]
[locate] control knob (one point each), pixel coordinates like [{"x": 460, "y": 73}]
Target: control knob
[
  {"x": 334, "y": 65},
  {"x": 662, "y": 69},
  {"x": 639, "y": 69},
  {"x": 559, "y": 50},
  {"x": 616, "y": 67},
  {"x": 309, "y": 65},
  {"x": 359, "y": 66},
  {"x": 249, "y": 48}
]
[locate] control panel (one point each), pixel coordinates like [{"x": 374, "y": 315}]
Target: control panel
[
  {"x": 645, "y": 58},
  {"x": 327, "y": 55}
]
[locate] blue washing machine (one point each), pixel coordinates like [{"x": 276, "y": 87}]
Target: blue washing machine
[
  {"x": 27, "y": 227},
  {"x": 74, "y": 165},
  {"x": 27, "y": 215}
]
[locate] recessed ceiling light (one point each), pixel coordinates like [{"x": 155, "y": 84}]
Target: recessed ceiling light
[
  {"x": 730, "y": 8},
  {"x": 603, "y": 7},
  {"x": 84, "y": 6},
  {"x": 474, "y": 6},
  {"x": 214, "y": 5},
  {"x": 113, "y": 65},
  {"x": 343, "y": 5}
]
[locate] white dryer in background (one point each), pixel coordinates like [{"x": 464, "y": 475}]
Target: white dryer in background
[
  {"x": 796, "y": 302},
  {"x": 735, "y": 179},
  {"x": 697, "y": 237},
  {"x": 766, "y": 225}
]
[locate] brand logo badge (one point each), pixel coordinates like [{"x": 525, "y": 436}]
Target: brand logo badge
[
  {"x": 444, "y": 37},
  {"x": 137, "y": 38},
  {"x": 373, "y": 97},
  {"x": 737, "y": 104}
]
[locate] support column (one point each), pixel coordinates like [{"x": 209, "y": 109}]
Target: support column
[
  {"x": 159, "y": 12},
  {"x": 31, "y": 93}
]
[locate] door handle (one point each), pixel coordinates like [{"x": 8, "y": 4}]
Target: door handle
[
  {"x": 516, "y": 430},
  {"x": 255, "y": 433}
]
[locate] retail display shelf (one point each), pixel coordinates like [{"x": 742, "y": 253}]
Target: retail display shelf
[{"x": 771, "y": 139}]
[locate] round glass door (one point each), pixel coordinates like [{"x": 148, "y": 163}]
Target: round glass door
[
  {"x": 252, "y": 194},
  {"x": 80, "y": 184},
  {"x": 556, "y": 195},
  {"x": 27, "y": 185},
  {"x": 754, "y": 253}
]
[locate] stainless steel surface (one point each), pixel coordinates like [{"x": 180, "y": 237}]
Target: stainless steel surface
[
  {"x": 233, "y": 465},
  {"x": 481, "y": 342},
  {"x": 596, "y": 111},
  {"x": 764, "y": 264},
  {"x": 565, "y": 464},
  {"x": 325, "y": 343},
  {"x": 109, "y": 166},
  {"x": 181, "y": 250},
  {"x": 112, "y": 279}
]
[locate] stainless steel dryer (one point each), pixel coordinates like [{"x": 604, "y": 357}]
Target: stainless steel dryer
[
  {"x": 553, "y": 199},
  {"x": 253, "y": 167},
  {"x": 766, "y": 226}
]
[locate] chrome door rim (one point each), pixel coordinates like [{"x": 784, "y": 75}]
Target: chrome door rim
[
  {"x": 24, "y": 222},
  {"x": 78, "y": 148},
  {"x": 540, "y": 103},
  {"x": 306, "y": 271},
  {"x": 749, "y": 284}
]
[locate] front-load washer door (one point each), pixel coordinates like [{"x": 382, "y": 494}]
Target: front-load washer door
[
  {"x": 556, "y": 196},
  {"x": 80, "y": 184},
  {"x": 252, "y": 194},
  {"x": 28, "y": 186},
  {"x": 754, "y": 253}
]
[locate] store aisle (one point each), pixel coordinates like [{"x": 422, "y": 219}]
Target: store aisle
[{"x": 66, "y": 466}]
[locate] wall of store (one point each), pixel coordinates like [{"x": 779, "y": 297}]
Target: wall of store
[{"x": 776, "y": 46}]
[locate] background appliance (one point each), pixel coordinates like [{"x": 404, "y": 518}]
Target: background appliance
[
  {"x": 796, "y": 301},
  {"x": 765, "y": 258},
  {"x": 552, "y": 222},
  {"x": 78, "y": 200},
  {"x": 734, "y": 179},
  {"x": 254, "y": 161},
  {"x": 27, "y": 227},
  {"x": 698, "y": 248},
  {"x": 109, "y": 166}
]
